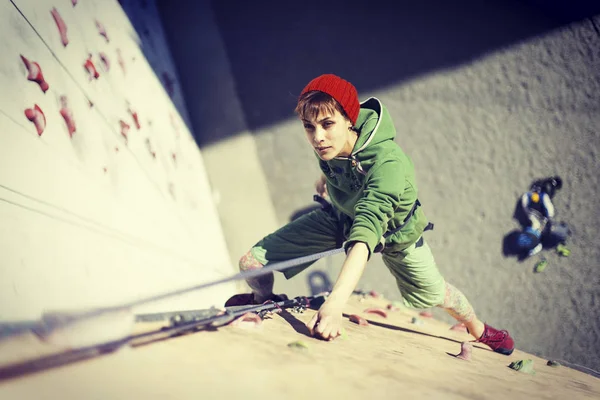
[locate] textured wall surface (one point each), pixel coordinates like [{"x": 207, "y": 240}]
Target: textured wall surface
[
  {"x": 118, "y": 206},
  {"x": 483, "y": 106}
]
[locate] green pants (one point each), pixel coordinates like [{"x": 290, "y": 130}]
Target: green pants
[{"x": 417, "y": 276}]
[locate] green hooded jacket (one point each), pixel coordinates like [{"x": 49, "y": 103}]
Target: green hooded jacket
[{"x": 375, "y": 187}]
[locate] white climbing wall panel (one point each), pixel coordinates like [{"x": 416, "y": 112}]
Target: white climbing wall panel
[{"x": 117, "y": 207}]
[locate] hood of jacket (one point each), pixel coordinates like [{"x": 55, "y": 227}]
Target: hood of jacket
[
  {"x": 375, "y": 186},
  {"x": 376, "y": 127}
]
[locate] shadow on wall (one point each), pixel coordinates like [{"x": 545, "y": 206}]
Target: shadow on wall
[
  {"x": 275, "y": 47},
  {"x": 146, "y": 21}
]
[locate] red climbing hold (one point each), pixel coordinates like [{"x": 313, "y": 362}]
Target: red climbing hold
[
  {"x": 66, "y": 113},
  {"x": 374, "y": 294},
  {"x": 358, "y": 320},
  {"x": 379, "y": 311},
  {"x": 104, "y": 60},
  {"x": 174, "y": 155},
  {"x": 91, "y": 68},
  {"x": 62, "y": 27},
  {"x": 134, "y": 115},
  {"x": 36, "y": 115},
  {"x": 124, "y": 129},
  {"x": 102, "y": 30},
  {"x": 426, "y": 314},
  {"x": 34, "y": 73}
]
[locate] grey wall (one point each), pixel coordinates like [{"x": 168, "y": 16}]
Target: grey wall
[{"x": 486, "y": 98}]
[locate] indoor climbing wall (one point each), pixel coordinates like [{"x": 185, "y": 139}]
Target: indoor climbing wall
[{"x": 103, "y": 194}]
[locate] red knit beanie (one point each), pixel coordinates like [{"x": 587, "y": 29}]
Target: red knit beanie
[{"x": 341, "y": 90}]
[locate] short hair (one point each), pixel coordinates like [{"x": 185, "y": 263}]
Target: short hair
[{"x": 315, "y": 102}]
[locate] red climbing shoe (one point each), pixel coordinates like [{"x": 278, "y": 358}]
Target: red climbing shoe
[
  {"x": 499, "y": 341},
  {"x": 246, "y": 299}
]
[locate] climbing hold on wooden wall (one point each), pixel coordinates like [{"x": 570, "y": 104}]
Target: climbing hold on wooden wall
[
  {"x": 66, "y": 113},
  {"x": 34, "y": 73},
  {"x": 62, "y": 27},
  {"x": 36, "y": 115}
]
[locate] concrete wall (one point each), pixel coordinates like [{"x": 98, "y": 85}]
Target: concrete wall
[
  {"x": 99, "y": 218},
  {"x": 486, "y": 97}
]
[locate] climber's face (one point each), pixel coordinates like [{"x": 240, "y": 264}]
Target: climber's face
[{"x": 330, "y": 135}]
